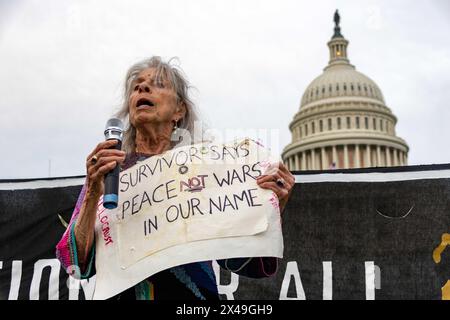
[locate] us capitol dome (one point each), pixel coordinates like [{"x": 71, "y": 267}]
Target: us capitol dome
[{"x": 343, "y": 121}]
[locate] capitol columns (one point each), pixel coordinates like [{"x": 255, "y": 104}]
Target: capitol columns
[
  {"x": 303, "y": 160},
  {"x": 357, "y": 161},
  {"x": 345, "y": 156},
  {"x": 378, "y": 156},
  {"x": 287, "y": 163},
  {"x": 335, "y": 156},
  {"x": 388, "y": 157},
  {"x": 297, "y": 162},
  {"x": 368, "y": 156},
  {"x": 324, "y": 162},
  {"x": 313, "y": 159}
]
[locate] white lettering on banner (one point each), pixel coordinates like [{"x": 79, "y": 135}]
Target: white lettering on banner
[
  {"x": 74, "y": 287},
  {"x": 16, "y": 277},
  {"x": 292, "y": 271},
  {"x": 73, "y": 284},
  {"x": 370, "y": 280},
  {"x": 206, "y": 207},
  {"x": 327, "y": 280},
  {"x": 53, "y": 283},
  {"x": 373, "y": 279},
  {"x": 87, "y": 285},
  {"x": 231, "y": 288}
]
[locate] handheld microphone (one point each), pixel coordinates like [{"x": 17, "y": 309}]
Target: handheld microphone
[{"x": 113, "y": 130}]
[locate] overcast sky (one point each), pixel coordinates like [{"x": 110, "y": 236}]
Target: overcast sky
[{"x": 62, "y": 65}]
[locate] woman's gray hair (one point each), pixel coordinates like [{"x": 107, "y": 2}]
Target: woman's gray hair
[{"x": 164, "y": 71}]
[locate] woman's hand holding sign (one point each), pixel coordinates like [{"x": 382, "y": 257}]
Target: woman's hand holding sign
[{"x": 278, "y": 179}]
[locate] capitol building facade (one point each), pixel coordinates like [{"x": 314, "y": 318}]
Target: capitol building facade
[{"x": 343, "y": 121}]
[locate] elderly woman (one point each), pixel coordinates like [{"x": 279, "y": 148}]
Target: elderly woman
[{"x": 156, "y": 104}]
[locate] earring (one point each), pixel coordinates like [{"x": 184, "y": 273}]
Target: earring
[
  {"x": 178, "y": 133},
  {"x": 175, "y": 127}
]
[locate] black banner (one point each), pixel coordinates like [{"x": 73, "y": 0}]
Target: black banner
[{"x": 353, "y": 234}]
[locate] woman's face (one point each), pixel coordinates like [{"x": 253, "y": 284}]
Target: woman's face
[{"x": 153, "y": 101}]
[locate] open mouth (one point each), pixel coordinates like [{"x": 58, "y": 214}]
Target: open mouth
[{"x": 143, "y": 102}]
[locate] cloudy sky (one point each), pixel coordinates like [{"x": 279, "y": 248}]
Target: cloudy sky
[{"x": 62, "y": 64}]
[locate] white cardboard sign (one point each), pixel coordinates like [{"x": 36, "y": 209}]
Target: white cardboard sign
[{"x": 193, "y": 203}]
